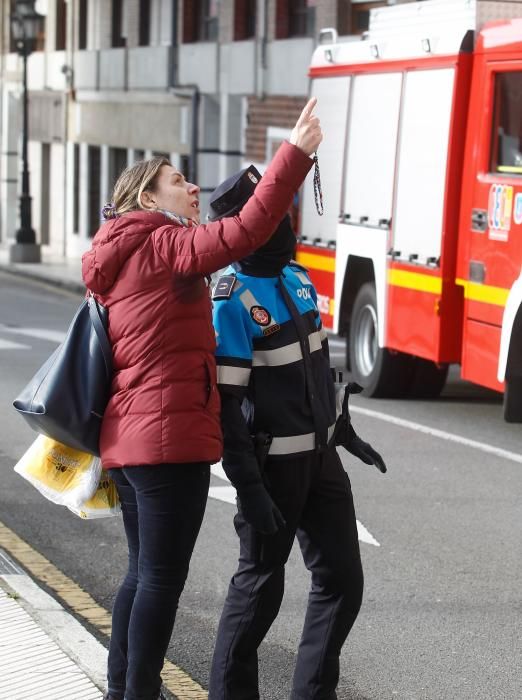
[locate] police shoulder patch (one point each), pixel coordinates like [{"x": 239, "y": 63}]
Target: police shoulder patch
[{"x": 224, "y": 287}]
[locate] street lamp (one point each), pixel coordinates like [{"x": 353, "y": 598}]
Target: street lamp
[{"x": 26, "y": 24}]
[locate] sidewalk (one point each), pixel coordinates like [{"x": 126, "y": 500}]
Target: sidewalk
[
  {"x": 54, "y": 270},
  {"x": 45, "y": 654}
]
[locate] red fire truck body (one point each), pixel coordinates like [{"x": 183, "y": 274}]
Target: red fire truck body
[{"x": 418, "y": 258}]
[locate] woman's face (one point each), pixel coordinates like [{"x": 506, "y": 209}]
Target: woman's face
[{"x": 174, "y": 193}]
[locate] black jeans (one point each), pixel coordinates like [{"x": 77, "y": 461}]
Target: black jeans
[
  {"x": 163, "y": 507},
  {"x": 314, "y": 495}
]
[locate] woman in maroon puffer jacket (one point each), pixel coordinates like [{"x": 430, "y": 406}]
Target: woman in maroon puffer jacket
[{"x": 161, "y": 429}]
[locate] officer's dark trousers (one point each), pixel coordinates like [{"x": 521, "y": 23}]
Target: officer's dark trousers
[{"x": 314, "y": 495}]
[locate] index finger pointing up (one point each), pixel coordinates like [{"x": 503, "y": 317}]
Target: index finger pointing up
[{"x": 307, "y": 110}]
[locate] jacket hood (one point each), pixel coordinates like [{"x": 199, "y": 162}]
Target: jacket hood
[{"x": 115, "y": 241}]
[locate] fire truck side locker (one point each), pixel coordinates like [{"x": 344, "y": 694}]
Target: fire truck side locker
[{"x": 425, "y": 307}]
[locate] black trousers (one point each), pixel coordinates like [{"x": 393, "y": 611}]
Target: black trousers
[
  {"x": 314, "y": 495},
  {"x": 163, "y": 507}
]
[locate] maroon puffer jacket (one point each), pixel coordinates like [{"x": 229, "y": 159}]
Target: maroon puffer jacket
[{"x": 150, "y": 273}]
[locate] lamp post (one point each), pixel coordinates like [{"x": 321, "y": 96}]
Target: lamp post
[{"x": 25, "y": 25}]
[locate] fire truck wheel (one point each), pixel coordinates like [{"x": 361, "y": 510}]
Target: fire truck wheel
[
  {"x": 427, "y": 379},
  {"x": 513, "y": 400},
  {"x": 380, "y": 371}
]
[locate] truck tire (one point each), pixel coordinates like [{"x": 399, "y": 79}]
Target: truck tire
[
  {"x": 381, "y": 372},
  {"x": 427, "y": 379},
  {"x": 513, "y": 400}
]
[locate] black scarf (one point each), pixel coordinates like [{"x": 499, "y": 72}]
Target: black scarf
[{"x": 269, "y": 260}]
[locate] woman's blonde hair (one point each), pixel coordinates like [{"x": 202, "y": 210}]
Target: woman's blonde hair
[{"x": 131, "y": 184}]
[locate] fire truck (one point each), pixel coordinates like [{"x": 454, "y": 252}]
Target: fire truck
[{"x": 418, "y": 257}]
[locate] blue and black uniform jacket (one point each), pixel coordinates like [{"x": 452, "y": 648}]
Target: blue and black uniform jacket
[{"x": 261, "y": 371}]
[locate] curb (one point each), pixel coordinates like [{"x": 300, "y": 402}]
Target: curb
[{"x": 17, "y": 270}]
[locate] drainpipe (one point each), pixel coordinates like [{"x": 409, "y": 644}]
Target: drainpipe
[
  {"x": 261, "y": 53},
  {"x": 68, "y": 72},
  {"x": 181, "y": 91},
  {"x": 194, "y": 136},
  {"x": 3, "y": 50}
]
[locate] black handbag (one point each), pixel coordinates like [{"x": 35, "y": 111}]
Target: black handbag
[{"x": 67, "y": 397}]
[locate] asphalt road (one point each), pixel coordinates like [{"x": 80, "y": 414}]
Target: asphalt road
[{"x": 441, "y": 548}]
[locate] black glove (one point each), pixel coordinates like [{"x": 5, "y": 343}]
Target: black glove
[
  {"x": 364, "y": 451},
  {"x": 258, "y": 509}
]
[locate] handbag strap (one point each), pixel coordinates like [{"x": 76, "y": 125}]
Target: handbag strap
[{"x": 101, "y": 333}]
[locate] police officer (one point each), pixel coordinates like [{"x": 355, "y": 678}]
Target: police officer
[{"x": 279, "y": 426}]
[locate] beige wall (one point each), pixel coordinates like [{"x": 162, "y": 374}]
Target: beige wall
[{"x": 493, "y": 9}]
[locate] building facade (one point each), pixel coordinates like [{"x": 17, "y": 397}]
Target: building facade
[{"x": 213, "y": 84}]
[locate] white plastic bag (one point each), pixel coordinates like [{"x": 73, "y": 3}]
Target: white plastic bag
[
  {"x": 69, "y": 478},
  {"x": 104, "y": 503}
]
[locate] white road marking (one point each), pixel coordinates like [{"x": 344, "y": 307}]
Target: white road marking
[
  {"x": 40, "y": 333},
  {"x": 217, "y": 470},
  {"x": 8, "y": 345},
  {"x": 227, "y": 494},
  {"x": 365, "y": 536},
  {"x": 442, "y": 434}
]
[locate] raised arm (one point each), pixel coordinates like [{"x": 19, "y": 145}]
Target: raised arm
[{"x": 208, "y": 247}]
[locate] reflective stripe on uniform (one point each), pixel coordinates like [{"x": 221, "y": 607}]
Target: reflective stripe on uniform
[
  {"x": 295, "y": 443},
  {"x": 280, "y": 356},
  {"x": 249, "y": 301},
  {"x": 323, "y": 334},
  {"x": 314, "y": 339},
  {"x": 301, "y": 277},
  {"x": 238, "y": 376},
  {"x": 285, "y": 355}
]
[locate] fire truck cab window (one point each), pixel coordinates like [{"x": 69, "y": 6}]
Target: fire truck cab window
[{"x": 506, "y": 156}]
